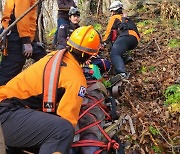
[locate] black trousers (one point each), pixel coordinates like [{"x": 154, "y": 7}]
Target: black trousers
[
  {"x": 120, "y": 46},
  {"x": 24, "y": 127},
  {"x": 12, "y": 64}
]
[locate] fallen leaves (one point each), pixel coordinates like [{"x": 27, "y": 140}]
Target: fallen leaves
[{"x": 156, "y": 66}]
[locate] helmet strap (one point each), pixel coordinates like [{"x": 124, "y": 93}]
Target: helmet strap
[
  {"x": 71, "y": 49},
  {"x": 82, "y": 54}
]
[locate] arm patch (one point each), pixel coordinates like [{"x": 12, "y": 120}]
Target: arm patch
[
  {"x": 61, "y": 27},
  {"x": 82, "y": 92}
]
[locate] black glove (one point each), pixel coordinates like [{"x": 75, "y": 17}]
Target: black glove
[{"x": 27, "y": 50}]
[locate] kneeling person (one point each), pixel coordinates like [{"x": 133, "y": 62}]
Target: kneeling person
[{"x": 41, "y": 87}]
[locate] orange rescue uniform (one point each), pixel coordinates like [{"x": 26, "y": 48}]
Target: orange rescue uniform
[
  {"x": 113, "y": 23},
  {"x": 26, "y": 88},
  {"x": 14, "y": 9}
]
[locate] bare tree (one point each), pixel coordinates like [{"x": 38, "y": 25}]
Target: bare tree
[
  {"x": 50, "y": 10},
  {"x": 85, "y": 10}
]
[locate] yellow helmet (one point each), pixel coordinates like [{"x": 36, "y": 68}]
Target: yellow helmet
[{"x": 85, "y": 39}]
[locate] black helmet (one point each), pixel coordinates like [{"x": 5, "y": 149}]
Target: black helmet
[{"x": 74, "y": 11}]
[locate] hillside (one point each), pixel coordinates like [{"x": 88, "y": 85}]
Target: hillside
[{"x": 156, "y": 66}]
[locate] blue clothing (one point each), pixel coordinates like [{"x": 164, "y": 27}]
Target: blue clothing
[
  {"x": 60, "y": 21},
  {"x": 64, "y": 33}
]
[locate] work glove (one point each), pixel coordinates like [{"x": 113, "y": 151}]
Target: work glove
[{"x": 27, "y": 50}]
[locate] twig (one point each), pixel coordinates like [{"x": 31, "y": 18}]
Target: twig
[
  {"x": 127, "y": 117},
  {"x": 147, "y": 45},
  {"x": 172, "y": 146},
  {"x": 178, "y": 146},
  {"x": 157, "y": 45},
  {"x": 151, "y": 137}
]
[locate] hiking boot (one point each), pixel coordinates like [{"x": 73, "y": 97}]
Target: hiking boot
[
  {"x": 115, "y": 79},
  {"x": 124, "y": 75}
]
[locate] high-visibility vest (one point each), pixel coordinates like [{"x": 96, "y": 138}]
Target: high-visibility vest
[{"x": 50, "y": 81}]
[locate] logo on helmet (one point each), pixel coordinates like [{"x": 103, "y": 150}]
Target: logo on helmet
[{"x": 91, "y": 37}]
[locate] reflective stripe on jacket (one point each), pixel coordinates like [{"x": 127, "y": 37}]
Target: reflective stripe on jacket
[
  {"x": 26, "y": 88},
  {"x": 113, "y": 24},
  {"x": 50, "y": 81},
  {"x": 13, "y": 9}
]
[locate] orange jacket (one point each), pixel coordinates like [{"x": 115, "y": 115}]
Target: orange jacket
[
  {"x": 110, "y": 26},
  {"x": 114, "y": 23},
  {"x": 15, "y": 8},
  {"x": 26, "y": 88}
]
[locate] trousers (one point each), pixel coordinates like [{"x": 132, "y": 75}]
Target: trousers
[
  {"x": 120, "y": 46},
  {"x": 13, "y": 63},
  {"x": 60, "y": 21},
  {"x": 23, "y": 127}
]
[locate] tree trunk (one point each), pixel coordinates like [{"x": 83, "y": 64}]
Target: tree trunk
[
  {"x": 40, "y": 24},
  {"x": 85, "y": 11},
  {"x": 99, "y": 7}
]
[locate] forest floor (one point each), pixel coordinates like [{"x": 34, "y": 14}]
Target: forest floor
[{"x": 156, "y": 66}]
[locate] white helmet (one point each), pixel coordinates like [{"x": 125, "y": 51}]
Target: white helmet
[{"x": 115, "y": 6}]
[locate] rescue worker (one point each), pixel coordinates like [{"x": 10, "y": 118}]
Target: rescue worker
[
  {"x": 65, "y": 30},
  {"x": 20, "y": 45},
  {"x": 63, "y": 18},
  {"x": 124, "y": 34},
  {"x": 40, "y": 86}
]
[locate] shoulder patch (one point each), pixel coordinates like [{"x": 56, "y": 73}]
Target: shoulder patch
[
  {"x": 62, "y": 26},
  {"x": 82, "y": 92}
]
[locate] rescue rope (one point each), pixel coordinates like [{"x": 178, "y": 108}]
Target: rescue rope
[{"x": 103, "y": 145}]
